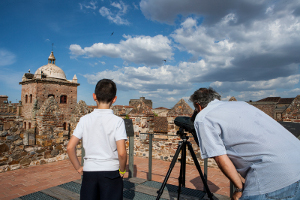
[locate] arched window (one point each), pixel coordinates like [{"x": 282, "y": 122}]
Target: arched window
[
  {"x": 30, "y": 98},
  {"x": 63, "y": 99},
  {"x": 25, "y": 125},
  {"x": 29, "y": 125},
  {"x": 26, "y": 98},
  {"x": 51, "y": 95}
]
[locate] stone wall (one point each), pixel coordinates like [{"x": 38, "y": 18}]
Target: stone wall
[
  {"x": 266, "y": 107},
  {"x": 163, "y": 145},
  {"x": 292, "y": 113},
  {"x": 49, "y": 122},
  {"x": 20, "y": 148},
  {"x": 47, "y": 142},
  {"x": 17, "y": 149}
]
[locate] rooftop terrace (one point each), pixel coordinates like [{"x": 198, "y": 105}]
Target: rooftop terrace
[{"x": 59, "y": 180}]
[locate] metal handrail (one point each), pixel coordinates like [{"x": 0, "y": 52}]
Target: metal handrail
[{"x": 150, "y": 157}]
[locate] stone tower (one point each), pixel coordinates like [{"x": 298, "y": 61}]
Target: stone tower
[{"x": 48, "y": 81}]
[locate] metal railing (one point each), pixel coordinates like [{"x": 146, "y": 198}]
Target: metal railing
[
  {"x": 150, "y": 156},
  {"x": 232, "y": 189}
]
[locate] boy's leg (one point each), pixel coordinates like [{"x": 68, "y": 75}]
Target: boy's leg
[
  {"x": 111, "y": 185},
  {"x": 89, "y": 186}
]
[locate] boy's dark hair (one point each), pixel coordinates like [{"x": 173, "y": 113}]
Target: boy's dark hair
[{"x": 105, "y": 90}]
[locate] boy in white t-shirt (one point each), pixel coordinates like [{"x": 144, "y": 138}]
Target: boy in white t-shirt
[{"x": 103, "y": 137}]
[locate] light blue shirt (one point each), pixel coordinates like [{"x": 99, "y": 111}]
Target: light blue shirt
[{"x": 263, "y": 151}]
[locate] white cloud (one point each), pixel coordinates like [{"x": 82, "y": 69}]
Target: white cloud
[
  {"x": 265, "y": 50},
  {"x": 245, "y": 11},
  {"x": 164, "y": 81},
  {"x": 6, "y": 57},
  {"x": 91, "y": 5},
  {"x": 76, "y": 50},
  {"x": 139, "y": 49},
  {"x": 115, "y": 16},
  {"x": 272, "y": 84},
  {"x": 248, "y": 50},
  {"x": 256, "y": 95}
]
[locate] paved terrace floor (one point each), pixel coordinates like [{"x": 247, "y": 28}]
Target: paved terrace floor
[{"x": 31, "y": 182}]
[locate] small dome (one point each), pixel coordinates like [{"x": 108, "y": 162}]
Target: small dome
[{"x": 50, "y": 70}]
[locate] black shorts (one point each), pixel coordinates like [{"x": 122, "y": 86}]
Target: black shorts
[{"x": 101, "y": 185}]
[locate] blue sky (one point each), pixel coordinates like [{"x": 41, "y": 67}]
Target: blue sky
[{"x": 247, "y": 49}]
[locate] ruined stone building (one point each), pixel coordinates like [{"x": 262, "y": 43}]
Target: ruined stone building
[
  {"x": 3, "y": 100},
  {"x": 280, "y": 108},
  {"x": 135, "y": 102},
  {"x": 48, "y": 81}
]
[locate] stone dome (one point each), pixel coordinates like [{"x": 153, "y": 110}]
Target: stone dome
[{"x": 50, "y": 70}]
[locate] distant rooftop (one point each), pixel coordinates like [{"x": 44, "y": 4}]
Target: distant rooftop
[
  {"x": 270, "y": 99},
  {"x": 286, "y": 100},
  {"x": 161, "y": 108}
]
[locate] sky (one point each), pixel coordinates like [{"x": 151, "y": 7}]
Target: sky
[{"x": 162, "y": 50}]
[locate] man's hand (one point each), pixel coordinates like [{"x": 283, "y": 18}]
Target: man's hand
[{"x": 236, "y": 196}]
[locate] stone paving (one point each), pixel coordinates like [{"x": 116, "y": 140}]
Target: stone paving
[{"x": 59, "y": 180}]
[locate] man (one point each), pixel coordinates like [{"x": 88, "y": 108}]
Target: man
[{"x": 244, "y": 140}]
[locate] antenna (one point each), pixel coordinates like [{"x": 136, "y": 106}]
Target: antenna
[{"x": 52, "y": 46}]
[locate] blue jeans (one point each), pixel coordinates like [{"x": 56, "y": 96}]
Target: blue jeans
[{"x": 291, "y": 192}]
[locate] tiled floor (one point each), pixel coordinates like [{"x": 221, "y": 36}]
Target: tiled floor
[{"x": 20, "y": 182}]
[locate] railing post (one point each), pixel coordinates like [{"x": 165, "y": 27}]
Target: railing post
[
  {"x": 131, "y": 145},
  {"x": 232, "y": 190},
  {"x": 82, "y": 155},
  {"x": 150, "y": 158},
  {"x": 34, "y": 135},
  {"x": 69, "y": 131},
  {"x": 130, "y": 134},
  {"x": 205, "y": 171},
  {"x": 205, "y": 168}
]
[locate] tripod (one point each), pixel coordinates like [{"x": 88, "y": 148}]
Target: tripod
[{"x": 182, "y": 147}]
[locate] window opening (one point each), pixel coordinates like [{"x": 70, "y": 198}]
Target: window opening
[{"x": 63, "y": 99}]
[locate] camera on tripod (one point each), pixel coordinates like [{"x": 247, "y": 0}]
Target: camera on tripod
[{"x": 186, "y": 124}]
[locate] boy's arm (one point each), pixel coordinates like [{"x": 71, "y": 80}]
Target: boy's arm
[
  {"x": 121, "y": 147},
  {"x": 71, "y": 149}
]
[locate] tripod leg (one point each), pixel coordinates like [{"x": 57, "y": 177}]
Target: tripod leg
[
  {"x": 161, "y": 190},
  {"x": 181, "y": 178},
  {"x": 209, "y": 194}
]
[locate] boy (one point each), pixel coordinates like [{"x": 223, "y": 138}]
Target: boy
[{"x": 103, "y": 137}]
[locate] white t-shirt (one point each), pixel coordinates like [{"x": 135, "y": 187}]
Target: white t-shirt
[
  {"x": 99, "y": 132},
  {"x": 263, "y": 151}
]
